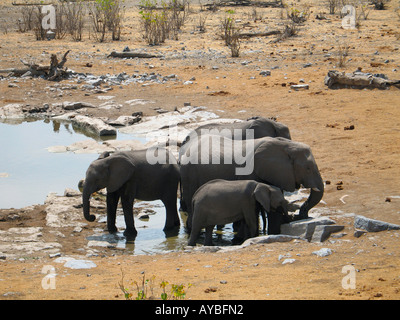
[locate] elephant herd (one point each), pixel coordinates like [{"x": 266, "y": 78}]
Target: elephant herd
[{"x": 228, "y": 173}]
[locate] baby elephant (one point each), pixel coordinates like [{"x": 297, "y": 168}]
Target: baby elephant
[{"x": 221, "y": 202}]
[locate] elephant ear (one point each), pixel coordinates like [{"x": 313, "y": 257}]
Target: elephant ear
[
  {"x": 273, "y": 164},
  {"x": 263, "y": 196},
  {"x": 120, "y": 170}
]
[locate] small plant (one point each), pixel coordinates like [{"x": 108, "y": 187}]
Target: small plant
[
  {"x": 230, "y": 33},
  {"x": 158, "y": 25},
  {"x": 290, "y": 30},
  {"x": 37, "y": 26},
  {"x": 154, "y": 23},
  {"x": 75, "y": 13},
  {"x": 178, "y": 291},
  {"x": 298, "y": 16},
  {"x": 26, "y": 21},
  {"x": 145, "y": 289},
  {"x": 106, "y": 15},
  {"x": 332, "y": 5},
  {"x": 343, "y": 52},
  {"x": 202, "y": 23},
  {"x": 235, "y": 45}
]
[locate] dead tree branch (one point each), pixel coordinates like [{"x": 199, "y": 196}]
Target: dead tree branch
[{"x": 358, "y": 79}]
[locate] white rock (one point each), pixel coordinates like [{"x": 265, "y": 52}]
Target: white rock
[
  {"x": 79, "y": 264},
  {"x": 288, "y": 261},
  {"x": 323, "y": 252}
]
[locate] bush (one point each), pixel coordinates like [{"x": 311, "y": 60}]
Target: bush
[
  {"x": 160, "y": 23},
  {"x": 106, "y": 15},
  {"x": 230, "y": 33}
]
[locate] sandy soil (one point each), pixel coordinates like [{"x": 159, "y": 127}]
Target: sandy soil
[{"x": 365, "y": 159}]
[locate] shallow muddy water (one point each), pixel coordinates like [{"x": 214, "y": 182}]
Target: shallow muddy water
[{"x": 151, "y": 238}]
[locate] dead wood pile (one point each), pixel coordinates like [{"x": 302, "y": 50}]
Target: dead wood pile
[
  {"x": 53, "y": 72},
  {"x": 358, "y": 79}
]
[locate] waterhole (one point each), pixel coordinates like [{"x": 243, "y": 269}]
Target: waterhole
[{"x": 29, "y": 172}]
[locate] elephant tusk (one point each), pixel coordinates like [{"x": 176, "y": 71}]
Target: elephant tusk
[{"x": 316, "y": 189}]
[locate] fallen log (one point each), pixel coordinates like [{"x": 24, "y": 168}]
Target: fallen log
[
  {"x": 358, "y": 79},
  {"x": 116, "y": 54},
  {"x": 246, "y": 3},
  {"x": 52, "y": 72},
  {"x": 259, "y": 34}
]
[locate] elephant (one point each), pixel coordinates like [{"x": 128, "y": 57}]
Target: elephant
[
  {"x": 221, "y": 201},
  {"x": 260, "y": 127},
  {"x": 129, "y": 175},
  {"x": 280, "y": 162}
]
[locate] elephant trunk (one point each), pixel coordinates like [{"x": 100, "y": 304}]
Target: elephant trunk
[
  {"x": 86, "y": 205},
  {"x": 314, "y": 198}
]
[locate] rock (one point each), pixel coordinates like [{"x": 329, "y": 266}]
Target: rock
[
  {"x": 288, "y": 261},
  {"x": 35, "y": 109},
  {"x": 299, "y": 86},
  {"x": 269, "y": 239},
  {"x": 359, "y": 233},
  {"x": 137, "y": 114},
  {"x": 123, "y": 121},
  {"x": 323, "y": 232},
  {"x": 50, "y": 35},
  {"x": 61, "y": 211},
  {"x": 371, "y": 225},
  {"x": 76, "y": 105},
  {"x": 11, "y": 111},
  {"x": 161, "y": 111},
  {"x": 54, "y": 255},
  {"x": 265, "y": 73},
  {"x": 305, "y": 228},
  {"x": 143, "y": 216},
  {"x": 72, "y": 193},
  {"x": 95, "y": 125},
  {"x": 79, "y": 264},
  {"x": 324, "y": 252}
]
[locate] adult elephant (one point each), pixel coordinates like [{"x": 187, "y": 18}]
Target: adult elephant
[
  {"x": 257, "y": 127},
  {"x": 275, "y": 161},
  {"x": 221, "y": 201},
  {"x": 129, "y": 176},
  {"x": 260, "y": 127}
]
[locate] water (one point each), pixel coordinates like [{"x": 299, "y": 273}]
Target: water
[
  {"x": 151, "y": 238},
  {"x": 29, "y": 172}
]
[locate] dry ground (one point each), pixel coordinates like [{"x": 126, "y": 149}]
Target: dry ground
[{"x": 365, "y": 159}]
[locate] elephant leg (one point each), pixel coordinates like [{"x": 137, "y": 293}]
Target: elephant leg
[
  {"x": 239, "y": 228},
  {"x": 194, "y": 234},
  {"x": 171, "y": 218},
  {"x": 112, "y": 203},
  {"x": 127, "y": 205},
  {"x": 275, "y": 219},
  {"x": 208, "y": 236}
]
